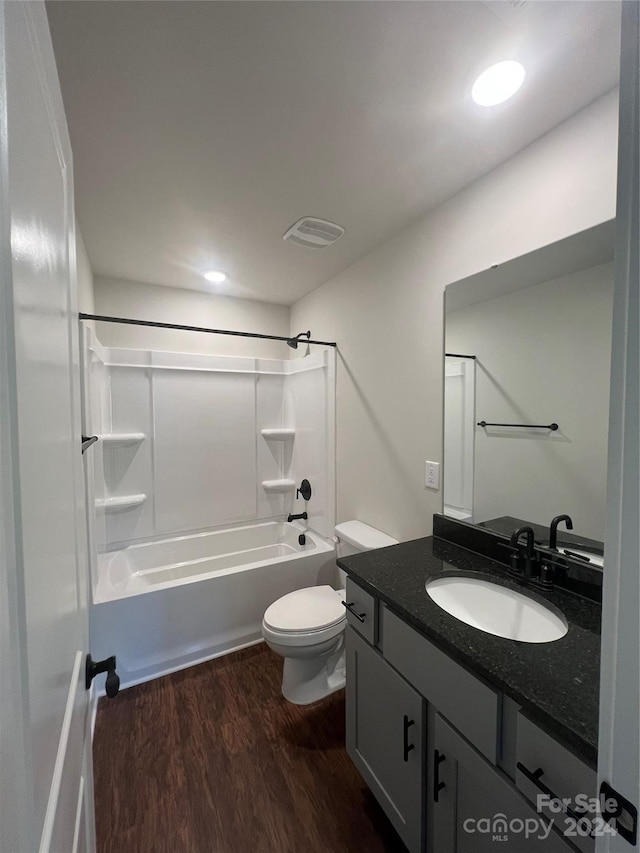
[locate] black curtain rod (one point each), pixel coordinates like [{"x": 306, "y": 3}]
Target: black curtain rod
[
  {"x": 457, "y": 355},
  {"x": 180, "y": 328}
]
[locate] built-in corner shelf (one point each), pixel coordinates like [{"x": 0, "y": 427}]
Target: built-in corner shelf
[
  {"x": 278, "y": 486},
  {"x": 120, "y": 504},
  {"x": 122, "y": 439},
  {"x": 278, "y": 434}
]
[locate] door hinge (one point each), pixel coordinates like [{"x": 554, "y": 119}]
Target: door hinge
[{"x": 621, "y": 814}]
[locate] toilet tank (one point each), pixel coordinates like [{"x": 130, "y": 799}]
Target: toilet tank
[{"x": 354, "y": 537}]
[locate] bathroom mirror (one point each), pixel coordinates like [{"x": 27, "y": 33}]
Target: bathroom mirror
[{"x": 527, "y": 361}]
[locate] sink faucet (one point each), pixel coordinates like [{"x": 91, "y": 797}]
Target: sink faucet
[
  {"x": 553, "y": 529},
  {"x": 530, "y": 559}
]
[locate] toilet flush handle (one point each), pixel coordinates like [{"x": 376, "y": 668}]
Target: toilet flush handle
[{"x": 351, "y": 610}]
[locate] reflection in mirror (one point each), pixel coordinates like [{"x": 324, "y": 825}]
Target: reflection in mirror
[
  {"x": 529, "y": 346},
  {"x": 459, "y": 433}
]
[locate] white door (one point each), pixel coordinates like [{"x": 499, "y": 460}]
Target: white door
[
  {"x": 619, "y": 736},
  {"x": 46, "y": 795}
]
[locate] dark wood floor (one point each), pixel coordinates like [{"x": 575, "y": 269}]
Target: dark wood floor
[{"x": 213, "y": 760}]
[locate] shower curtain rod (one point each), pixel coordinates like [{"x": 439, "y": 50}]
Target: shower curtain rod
[{"x": 178, "y": 327}]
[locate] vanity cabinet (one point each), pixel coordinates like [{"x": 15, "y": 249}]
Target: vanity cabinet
[
  {"x": 385, "y": 736},
  {"x": 442, "y": 750}
]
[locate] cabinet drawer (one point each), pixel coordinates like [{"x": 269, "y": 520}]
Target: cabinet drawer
[
  {"x": 468, "y": 703},
  {"x": 362, "y": 613},
  {"x": 563, "y": 773}
]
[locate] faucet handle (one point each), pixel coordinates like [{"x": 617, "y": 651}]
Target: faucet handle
[
  {"x": 547, "y": 574},
  {"x": 515, "y": 569}
]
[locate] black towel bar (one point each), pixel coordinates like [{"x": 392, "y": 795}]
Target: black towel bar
[{"x": 552, "y": 427}]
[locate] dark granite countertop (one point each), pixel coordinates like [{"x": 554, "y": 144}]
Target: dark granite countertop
[{"x": 556, "y": 683}]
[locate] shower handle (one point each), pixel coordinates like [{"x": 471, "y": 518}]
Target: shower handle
[{"x": 304, "y": 490}]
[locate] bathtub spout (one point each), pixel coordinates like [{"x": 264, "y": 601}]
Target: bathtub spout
[{"x": 302, "y": 515}]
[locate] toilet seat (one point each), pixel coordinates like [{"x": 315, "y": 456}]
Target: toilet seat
[
  {"x": 305, "y": 610},
  {"x": 305, "y": 617},
  {"x": 299, "y": 639}
]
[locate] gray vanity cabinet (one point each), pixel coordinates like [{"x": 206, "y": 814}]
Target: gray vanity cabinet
[
  {"x": 448, "y": 757},
  {"x": 476, "y": 808},
  {"x": 385, "y": 736}
]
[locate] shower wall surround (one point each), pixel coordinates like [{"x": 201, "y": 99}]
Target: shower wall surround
[{"x": 193, "y": 442}]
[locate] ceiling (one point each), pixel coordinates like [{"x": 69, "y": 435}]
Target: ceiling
[{"x": 202, "y": 130}]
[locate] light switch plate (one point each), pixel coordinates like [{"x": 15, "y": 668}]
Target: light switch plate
[{"x": 432, "y": 475}]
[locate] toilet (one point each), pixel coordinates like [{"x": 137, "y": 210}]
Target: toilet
[{"x": 307, "y": 626}]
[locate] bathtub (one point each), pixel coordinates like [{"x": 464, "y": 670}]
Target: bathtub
[{"x": 165, "y": 605}]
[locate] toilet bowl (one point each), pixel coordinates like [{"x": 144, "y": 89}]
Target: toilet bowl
[{"x": 306, "y": 627}]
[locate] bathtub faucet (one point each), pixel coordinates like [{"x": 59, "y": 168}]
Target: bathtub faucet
[{"x": 302, "y": 515}]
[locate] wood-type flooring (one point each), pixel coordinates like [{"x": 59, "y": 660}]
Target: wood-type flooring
[{"x": 212, "y": 759}]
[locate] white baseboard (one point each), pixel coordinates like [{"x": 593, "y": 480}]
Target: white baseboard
[{"x": 160, "y": 673}]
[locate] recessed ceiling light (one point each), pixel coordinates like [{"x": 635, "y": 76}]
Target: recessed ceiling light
[
  {"x": 216, "y": 276},
  {"x": 498, "y": 83}
]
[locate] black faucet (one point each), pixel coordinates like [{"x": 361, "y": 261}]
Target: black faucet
[
  {"x": 553, "y": 529},
  {"x": 530, "y": 559},
  {"x": 293, "y": 517}
]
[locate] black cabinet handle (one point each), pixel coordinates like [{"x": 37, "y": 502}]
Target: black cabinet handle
[
  {"x": 534, "y": 776},
  {"x": 350, "y": 606},
  {"x": 438, "y": 758},
  {"x": 407, "y": 747},
  {"x": 95, "y": 667}
]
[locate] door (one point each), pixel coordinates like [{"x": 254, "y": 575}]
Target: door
[
  {"x": 46, "y": 797},
  {"x": 476, "y": 809},
  {"x": 385, "y": 724},
  {"x": 619, "y": 735}
]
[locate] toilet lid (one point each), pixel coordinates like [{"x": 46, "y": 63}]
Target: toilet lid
[{"x": 308, "y": 609}]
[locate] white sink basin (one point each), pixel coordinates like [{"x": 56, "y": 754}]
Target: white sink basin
[{"x": 496, "y": 609}]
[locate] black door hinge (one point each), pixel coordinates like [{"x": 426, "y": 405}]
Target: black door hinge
[{"x": 621, "y": 814}]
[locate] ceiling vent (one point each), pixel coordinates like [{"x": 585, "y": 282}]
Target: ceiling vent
[
  {"x": 314, "y": 233},
  {"x": 506, "y": 10}
]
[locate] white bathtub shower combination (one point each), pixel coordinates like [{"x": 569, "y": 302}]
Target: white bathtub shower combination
[
  {"x": 192, "y": 482},
  {"x": 165, "y": 605}
]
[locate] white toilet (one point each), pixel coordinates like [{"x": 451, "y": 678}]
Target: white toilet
[{"x": 307, "y": 626}]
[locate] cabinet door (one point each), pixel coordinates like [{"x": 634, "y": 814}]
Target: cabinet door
[
  {"x": 385, "y": 731},
  {"x": 476, "y": 808}
]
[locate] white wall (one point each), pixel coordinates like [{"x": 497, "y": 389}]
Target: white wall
[
  {"x": 119, "y": 298},
  {"x": 86, "y": 303},
  {"x": 386, "y": 311},
  {"x": 543, "y": 354}
]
